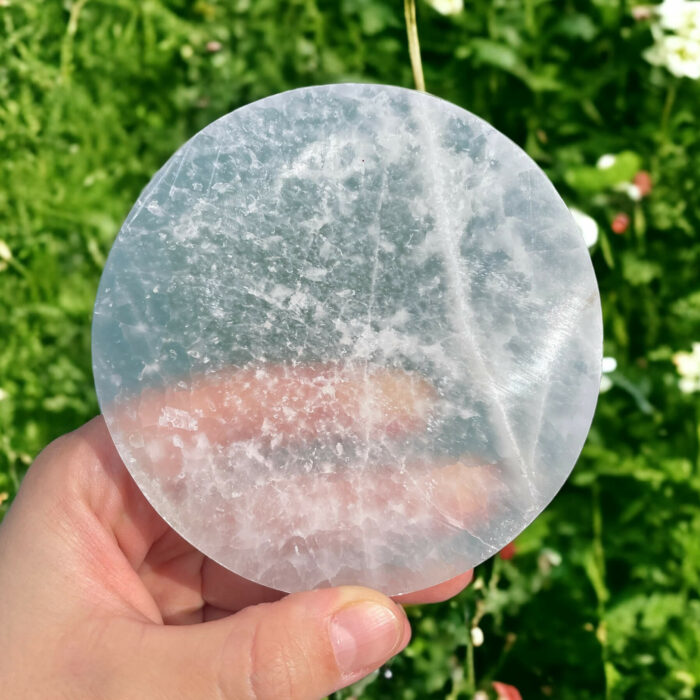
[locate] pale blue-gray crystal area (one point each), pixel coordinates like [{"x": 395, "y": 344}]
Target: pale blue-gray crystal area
[{"x": 348, "y": 334}]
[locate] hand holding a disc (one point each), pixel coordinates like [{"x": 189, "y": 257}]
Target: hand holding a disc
[{"x": 100, "y": 597}]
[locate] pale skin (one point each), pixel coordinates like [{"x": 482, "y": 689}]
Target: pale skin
[{"x": 100, "y": 598}]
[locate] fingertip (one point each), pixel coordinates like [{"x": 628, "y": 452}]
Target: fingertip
[
  {"x": 437, "y": 594},
  {"x": 407, "y": 631},
  {"x": 326, "y": 639}
]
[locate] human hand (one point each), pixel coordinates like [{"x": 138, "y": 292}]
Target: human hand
[{"x": 99, "y": 597}]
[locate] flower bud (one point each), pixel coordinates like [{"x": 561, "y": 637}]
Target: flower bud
[{"x": 620, "y": 223}]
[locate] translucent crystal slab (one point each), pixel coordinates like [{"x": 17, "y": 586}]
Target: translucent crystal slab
[{"x": 348, "y": 334}]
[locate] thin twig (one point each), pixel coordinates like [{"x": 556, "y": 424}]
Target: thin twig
[
  {"x": 666, "y": 114},
  {"x": 409, "y": 7}
]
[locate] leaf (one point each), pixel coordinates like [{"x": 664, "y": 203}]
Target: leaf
[
  {"x": 540, "y": 81},
  {"x": 506, "y": 58},
  {"x": 578, "y": 26},
  {"x": 688, "y": 308},
  {"x": 660, "y": 608},
  {"x": 595, "y": 575},
  {"x": 638, "y": 271},
  {"x": 591, "y": 179},
  {"x": 622, "y": 619},
  {"x": 496, "y": 54},
  {"x": 376, "y": 18},
  {"x": 606, "y": 249},
  {"x": 612, "y": 675}
]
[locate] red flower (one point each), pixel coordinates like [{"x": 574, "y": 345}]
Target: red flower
[
  {"x": 506, "y": 692},
  {"x": 509, "y": 551},
  {"x": 620, "y": 223},
  {"x": 643, "y": 181}
]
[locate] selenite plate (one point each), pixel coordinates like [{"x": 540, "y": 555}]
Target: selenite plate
[{"x": 348, "y": 334}]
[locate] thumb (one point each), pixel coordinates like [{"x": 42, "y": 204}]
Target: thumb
[{"x": 306, "y": 645}]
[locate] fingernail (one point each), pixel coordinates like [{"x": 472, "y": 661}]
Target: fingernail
[{"x": 363, "y": 636}]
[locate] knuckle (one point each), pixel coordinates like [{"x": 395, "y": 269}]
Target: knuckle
[
  {"x": 278, "y": 665},
  {"x": 67, "y": 464},
  {"x": 51, "y": 459},
  {"x": 56, "y": 464},
  {"x": 59, "y": 455}
]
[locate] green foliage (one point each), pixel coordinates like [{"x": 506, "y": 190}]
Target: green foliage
[
  {"x": 588, "y": 179},
  {"x": 601, "y": 599}
]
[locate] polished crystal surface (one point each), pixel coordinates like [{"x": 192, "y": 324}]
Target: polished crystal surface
[{"x": 348, "y": 334}]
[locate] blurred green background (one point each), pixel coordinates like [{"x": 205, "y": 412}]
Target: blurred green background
[{"x": 599, "y": 597}]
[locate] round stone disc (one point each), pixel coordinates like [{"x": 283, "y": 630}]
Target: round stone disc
[{"x": 348, "y": 335}]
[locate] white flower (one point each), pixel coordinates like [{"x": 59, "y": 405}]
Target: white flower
[
  {"x": 688, "y": 385},
  {"x": 548, "y": 559},
  {"x": 553, "y": 557},
  {"x": 688, "y": 363},
  {"x": 447, "y": 7},
  {"x": 586, "y": 225},
  {"x": 677, "y": 38},
  {"x": 683, "y": 57},
  {"x": 681, "y": 17},
  {"x": 477, "y": 635},
  {"x": 609, "y": 364},
  {"x": 607, "y": 160},
  {"x": 5, "y": 252},
  {"x": 679, "y": 55},
  {"x": 631, "y": 190},
  {"x": 3, "y": 394},
  {"x": 688, "y": 366}
]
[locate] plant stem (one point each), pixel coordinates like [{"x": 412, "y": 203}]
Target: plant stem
[
  {"x": 530, "y": 17},
  {"x": 67, "y": 43},
  {"x": 697, "y": 427},
  {"x": 666, "y": 114},
  {"x": 470, "y": 684},
  {"x": 602, "y": 592},
  {"x": 409, "y": 7}
]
